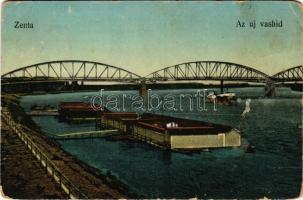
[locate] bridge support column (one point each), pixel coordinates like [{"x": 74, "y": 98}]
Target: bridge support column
[
  {"x": 74, "y": 83},
  {"x": 142, "y": 88},
  {"x": 221, "y": 87},
  {"x": 270, "y": 89}
]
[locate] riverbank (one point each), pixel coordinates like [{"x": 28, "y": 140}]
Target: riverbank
[
  {"x": 21, "y": 174},
  {"x": 63, "y": 87},
  {"x": 87, "y": 179}
]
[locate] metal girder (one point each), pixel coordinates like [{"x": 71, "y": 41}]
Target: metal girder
[
  {"x": 199, "y": 70},
  {"x": 291, "y": 74},
  {"x": 72, "y": 70},
  {"x": 209, "y": 70}
]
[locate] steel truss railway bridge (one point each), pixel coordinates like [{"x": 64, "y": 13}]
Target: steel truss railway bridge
[{"x": 78, "y": 70}]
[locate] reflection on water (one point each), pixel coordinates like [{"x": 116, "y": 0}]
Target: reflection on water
[{"x": 272, "y": 126}]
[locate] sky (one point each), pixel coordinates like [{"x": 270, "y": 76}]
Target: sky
[{"x": 143, "y": 37}]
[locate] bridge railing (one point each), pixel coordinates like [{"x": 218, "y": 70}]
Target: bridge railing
[{"x": 67, "y": 186}]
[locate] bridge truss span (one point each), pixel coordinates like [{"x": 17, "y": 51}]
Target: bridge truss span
[
  {"x": 71, "y": 70},
  {"x": 209, "y": 70},
  {"x": 291, "y": 74}
]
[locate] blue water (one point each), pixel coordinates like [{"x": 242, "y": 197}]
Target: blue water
[{"x": 273, "y": 126}]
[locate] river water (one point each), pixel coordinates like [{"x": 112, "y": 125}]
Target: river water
[{"x": 273, "y": 126}]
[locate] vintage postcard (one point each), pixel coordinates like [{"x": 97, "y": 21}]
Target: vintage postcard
[{"x": 164, "y": 99}]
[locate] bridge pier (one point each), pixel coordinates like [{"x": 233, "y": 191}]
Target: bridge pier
[
  {"x": 270, "y": 89},
  {"x": 142, "y": 88},
  {"x": 221, "y": 86}
]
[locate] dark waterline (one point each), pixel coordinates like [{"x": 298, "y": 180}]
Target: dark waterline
[{"x": 274, "y": 170}]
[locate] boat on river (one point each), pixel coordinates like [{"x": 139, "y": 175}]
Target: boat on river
[
  {"x": 227, "y": 98},
  {"x": 79, "y": 112},
  {"x": 42, "y": 110},
  {"x": 172, "y": 132},
  {"x": 47, "y": 108}
]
